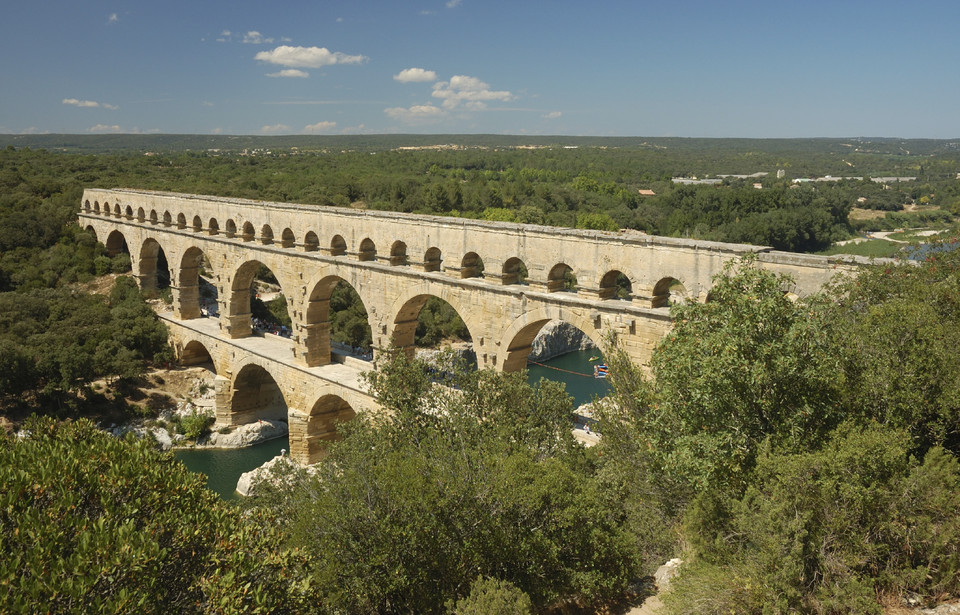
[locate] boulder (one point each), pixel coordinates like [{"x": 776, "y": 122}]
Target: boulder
[
  {"x": 557, "y": 338},
  {"x": 667, "y": 573},
  {"x": 248, "y": 435}
]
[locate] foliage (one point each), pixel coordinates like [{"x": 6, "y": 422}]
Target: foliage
[
  {"x": 828, "y": 531},
  {"x": 196, "y": 425},
  {"x": 438, "y": 321},
  {"x": 747, "y": 365},
  {"x": 408, "y": 511},
  {"x": 896, "y": 330},
  {"x": 490, "y": 596},
  {"x": 94, "y": 524}
]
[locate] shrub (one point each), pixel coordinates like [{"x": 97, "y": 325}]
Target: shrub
[{"x": 490, "y": 596}]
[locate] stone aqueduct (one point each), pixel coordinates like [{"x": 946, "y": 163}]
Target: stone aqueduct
[{"x": 395, "y": 262}]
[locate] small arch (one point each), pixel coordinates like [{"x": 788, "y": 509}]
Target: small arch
[
  {"x": 167, "y": 218},
  {"x": 338, "y": 247},
  {"x": 96, "y": 207},
  {"x": 231, "y": 229},
  {"x": 432, "y": 260},
  {"x": 471, "y": 266},
  {"x": 129, "y": 213},
  {"x": 398, "y": 253},
  {"x": 248, "y": 232},
  {"x": 287, "y": 240},
  {"x": 615, "y": 285},
  {"x": 561, "y": 279},
  {"x": 197, "y": 224},
  {"x": 116, "y": 210},
  {"x": 181, "y": 221},
  {"x": 668, "y": 291},
  {"x": 514, "y": 271},
  {"x": 311, "y": 243},
  {"x": 368, "y": 250},
  {"x": 266, "y": 235},
  {"x": 142, "y": 215},
  {"x": 86, "y": 205},
  {"x": 213, "y": 227}
]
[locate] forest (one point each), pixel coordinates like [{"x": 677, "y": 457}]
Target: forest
[{"x": 799, "y": 456}]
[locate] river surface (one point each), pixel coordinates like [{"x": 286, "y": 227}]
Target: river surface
[{"x": 223, "y": 467}]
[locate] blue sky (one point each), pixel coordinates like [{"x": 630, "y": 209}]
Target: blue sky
[{"x": 603, "y": 68}]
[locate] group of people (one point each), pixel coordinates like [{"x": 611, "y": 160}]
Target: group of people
[{"x": 268, "y": 327}]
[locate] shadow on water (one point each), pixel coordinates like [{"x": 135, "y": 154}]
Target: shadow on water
[
  {"x": 223, "y": 467},
  {"x": 575, "y": 369}
]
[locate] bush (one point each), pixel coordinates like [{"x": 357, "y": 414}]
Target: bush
[
  {"x": 490, "y": 596},
  {"x": 195, "y": 425}
]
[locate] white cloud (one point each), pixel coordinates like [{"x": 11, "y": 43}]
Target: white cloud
[
  {"x": 105, "y": 128},
  {"x": 275, "y": 129},
  {"x": 468, "y": 91},
  {"x": 113, "y": 18},
  {"x": 416, "y": 113},
  {"x": 255, "y": 38},
  {"x": 307, "y": 57},
  {"x": 552, "y": 115},
  {"x": 89, "y": 104},
  {"x": 452, "y": 4},
  {"x": 320, "y": 127},
  {"x": 411, "y": 75},
  {"x": 290, "y": 72}
]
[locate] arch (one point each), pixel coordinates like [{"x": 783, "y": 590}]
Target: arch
[
  {"x": 181, "y": 221},
  {"x": 327, "y": 412},
  {"x": 240, "y": 316},
  {"x": 561, "y": 279},
  {"x": 311, "y": 243},
  {"x": 116, "y": 210},
  {"x": 256, "y": 395},
  {"x": 167, "y": 218},
  {"x": 197, "y": 224},
  {"x": 248, "y": 232},
  {"x": 231, "y": 228},
  {"x": 514, "y": 271},
  {"x": 86, "y": 205},
  {"x": 213, "y": 227},
  {"x": 615, "y": 285},
  {"x": 141, "y": 215},
  {"x": 153, "y": 269},
  {"x": 195, "y": 353},
  {"x": 319, "y": 322},
  {"x": 667, "y": 292},
  {"x": 287, "y": 240},
  {"x": 129, "y": 213},
  {"x": 368, "y": 250},
  {"x": 471, "y": 266},
  {"x": 338, "y": 246},
  {"x": 432, "y": 260},
  {"x": 398, "y": 253},
  {"x": 188, "y": 280},
  {"x": 266, "y": 235},
  {"x": 516, "y": 344},
  {"x": 406, "y": 319},
  {"x": 116, "y": 243}
]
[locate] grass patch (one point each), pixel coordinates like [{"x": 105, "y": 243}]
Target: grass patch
[{"x": 875, "y": 248}]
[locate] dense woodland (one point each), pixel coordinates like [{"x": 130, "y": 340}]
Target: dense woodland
[{"x": 801, "y": 457}]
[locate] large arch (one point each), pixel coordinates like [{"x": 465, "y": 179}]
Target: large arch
[
  {"x": 518, "y": 338},
  {"x": 240, "y": 308},
  {"x": 406, "y": 311},
  {"x": 152, "y": 268},
  {"x": 116, "y": 243},
  {"x": 188, "y": 303},
  {"x": 318, "y": 328},
  {"x": 256, "y": 395},
  {"x": 194, "y": 353},
  {"x": 327, "y": 413}
]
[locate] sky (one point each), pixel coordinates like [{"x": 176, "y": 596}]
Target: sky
[{"x": 685, "y": 68}]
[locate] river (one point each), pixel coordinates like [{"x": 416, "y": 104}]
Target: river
[{"x": 223, "y": 467}]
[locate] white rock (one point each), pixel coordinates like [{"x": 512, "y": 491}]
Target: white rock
[{"x": 249, "y": 434}]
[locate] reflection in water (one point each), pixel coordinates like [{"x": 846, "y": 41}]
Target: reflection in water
[{"x": 223, "y": 467}]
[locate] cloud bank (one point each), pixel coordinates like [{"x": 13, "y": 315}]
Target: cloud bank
[
  {"x": 92, "y": 104},
  {"x": 307, "y": 57}
]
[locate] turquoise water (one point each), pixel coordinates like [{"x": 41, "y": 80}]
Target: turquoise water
[
  {"x": 223, "y": 467},
  {"x": 582, "y": 386}
]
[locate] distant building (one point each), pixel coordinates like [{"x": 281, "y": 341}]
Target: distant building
[{"x": 645, "y": 192}]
